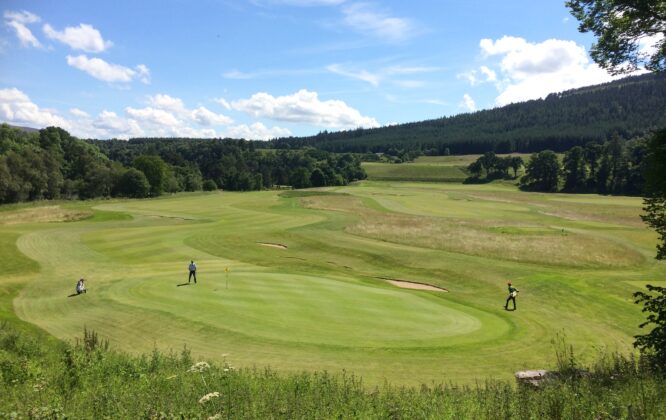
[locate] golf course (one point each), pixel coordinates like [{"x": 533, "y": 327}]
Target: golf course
[{"x": 299, "y": 280}]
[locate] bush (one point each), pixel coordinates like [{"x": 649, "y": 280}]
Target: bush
[
  {"x": 209, "y": 185},
  {"x": 133, "y": 183}
]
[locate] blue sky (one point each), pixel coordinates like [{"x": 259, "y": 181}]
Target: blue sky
[{"x": 265, "y": 68}]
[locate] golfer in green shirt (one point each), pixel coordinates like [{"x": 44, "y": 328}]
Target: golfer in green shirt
[{"x": 512, "y": 297}]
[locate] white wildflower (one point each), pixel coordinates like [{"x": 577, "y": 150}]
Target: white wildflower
[
  {"x": 215, "y": 417},
  {"x": 199, "y": 367},
  {"x": 207, "y": 397}
]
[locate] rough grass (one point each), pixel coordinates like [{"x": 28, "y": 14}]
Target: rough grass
[
  {"x": 44, "y": 214},
  {"x": 319, "y": 304}
]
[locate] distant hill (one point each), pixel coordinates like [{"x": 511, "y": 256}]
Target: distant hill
[
  {"x": 26, "y": 129},
  {"x": 628, "y": 107}
]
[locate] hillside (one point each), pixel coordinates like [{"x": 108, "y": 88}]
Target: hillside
[{"x": 629, "y": 107}]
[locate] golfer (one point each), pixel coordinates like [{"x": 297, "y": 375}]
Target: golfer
[
  {"x": 193, "y": 272},
  {"x": 512, "y": 297},
  {"x": 81, "y": 286}
]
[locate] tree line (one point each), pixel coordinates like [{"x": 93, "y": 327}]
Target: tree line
[
  {"x": 613, "y": 167},
  {"x": 52, "y": 164},
  {"x": 628, "y": 107}
]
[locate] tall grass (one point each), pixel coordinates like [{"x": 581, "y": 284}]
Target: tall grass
[{"x": 45, "y": 379}]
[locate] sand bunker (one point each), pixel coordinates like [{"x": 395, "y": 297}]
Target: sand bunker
[
  {"x": 273, "y": 245},
  {"x": 407, "y": 284}
]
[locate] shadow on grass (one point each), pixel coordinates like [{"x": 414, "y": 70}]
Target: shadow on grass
[
  {"x": 74, "y": 295},
  {"x": 183, "y": 284}
]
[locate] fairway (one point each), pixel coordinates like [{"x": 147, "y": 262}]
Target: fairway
[
  {"x": 296, "y": 280},
  {"x": 426, "y": 168}
]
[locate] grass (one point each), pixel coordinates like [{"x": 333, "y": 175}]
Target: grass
[
  {"x": 86, "y": 380},
  {"x": 319, "y": 304},
  {"x": 426, "y": 169}
]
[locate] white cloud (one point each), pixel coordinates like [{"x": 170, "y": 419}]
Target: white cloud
[
  {"x": 502, "y": 45},
  {"x": 363, "y": 75},
  {"x": 533, "y": 70},
  {"x": 83, "y": 37},
  {"x": 204, "y": 116},
  {"x": 17, "y": 108},
  {"x": 112, "y": 125},
  {"x": 168, "y": 103},
  {"x": 152, "y": 116},
  {"x": 470, "y": 77},
  {"x": 223, "y": 102},
  {"x": 256, "y": 131},
  {"x": 365, "y": 18},
  {"x": 200, "y": 115},
  {"x": 491, "y": 76},
  {"x": 468, "y": 103},
  {"x": 108, "y": 72},
  {"x": 143, "y": 73},
  {"x": 18, "y": 21},
  {"x": 304, "y": 107},
  {"x": 79, "y": 113}
]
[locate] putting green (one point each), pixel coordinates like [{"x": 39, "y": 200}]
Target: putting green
[{"x": 320, "y": 303}]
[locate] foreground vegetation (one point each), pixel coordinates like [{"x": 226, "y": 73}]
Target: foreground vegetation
[{"x": 51, "y": 380}]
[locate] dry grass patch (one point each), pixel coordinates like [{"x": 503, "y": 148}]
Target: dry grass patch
[
  {"x": 343, "y": 203},
  {"x": 46, "y": 214},
  {"x": 534, "y": 244}
]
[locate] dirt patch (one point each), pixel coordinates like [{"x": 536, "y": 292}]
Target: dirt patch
[
  {"x": 408, "y": 284},
  {"x": 45, "y": 214},
  {"x": 273, "y": 245}
]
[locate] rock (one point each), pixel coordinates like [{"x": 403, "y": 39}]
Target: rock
[{"x": 535, "y": 378}]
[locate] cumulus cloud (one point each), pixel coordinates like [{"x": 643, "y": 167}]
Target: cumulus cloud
[
  {"x": 365, "y": 18},
  {"x": 533, "y": 70},
  {"x": 18, "y": 22},
  {"x": 304, "y": 107},
  {"x": 79, "y": 113},
  {"x": 204, "y": 116},
  {"x": 468, "y": 103},
  {"x": 83, "y": 37},
  {"x": 108, "y": 72},
  {"x": 256, "y": 131},
  {"x": 17, "y": 108},
  {"x": 168, "y": 103},
  {"x": 200, "y": 115}
]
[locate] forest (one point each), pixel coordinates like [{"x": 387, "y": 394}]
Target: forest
[
  {"x": 614, "y": 167},
  {"x": 52, "y": 164},
  {"x": 629, "y": 107}
]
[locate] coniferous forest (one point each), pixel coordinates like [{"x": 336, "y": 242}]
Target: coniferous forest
[{"x": 629, "y": 108}]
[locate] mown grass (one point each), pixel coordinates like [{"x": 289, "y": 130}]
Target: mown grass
[
  {"x": 414, "y": 172},
  {"x": 320, "y": 304}
]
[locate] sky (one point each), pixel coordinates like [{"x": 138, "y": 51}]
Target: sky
[{"x": 259, "y": 69}]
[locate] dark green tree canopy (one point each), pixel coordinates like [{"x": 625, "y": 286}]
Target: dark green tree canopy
[
  {"x": 542, "y": 173},
  {"x": 623, "y": 29},
  {"x": 653, "y": 344}
]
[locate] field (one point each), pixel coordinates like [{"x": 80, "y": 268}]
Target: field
[
  {"x": 425, "y": 169},
  {"x": 306, "y": 284}
]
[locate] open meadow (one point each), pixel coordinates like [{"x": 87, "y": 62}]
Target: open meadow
[{"x": 298, "y": 280}]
